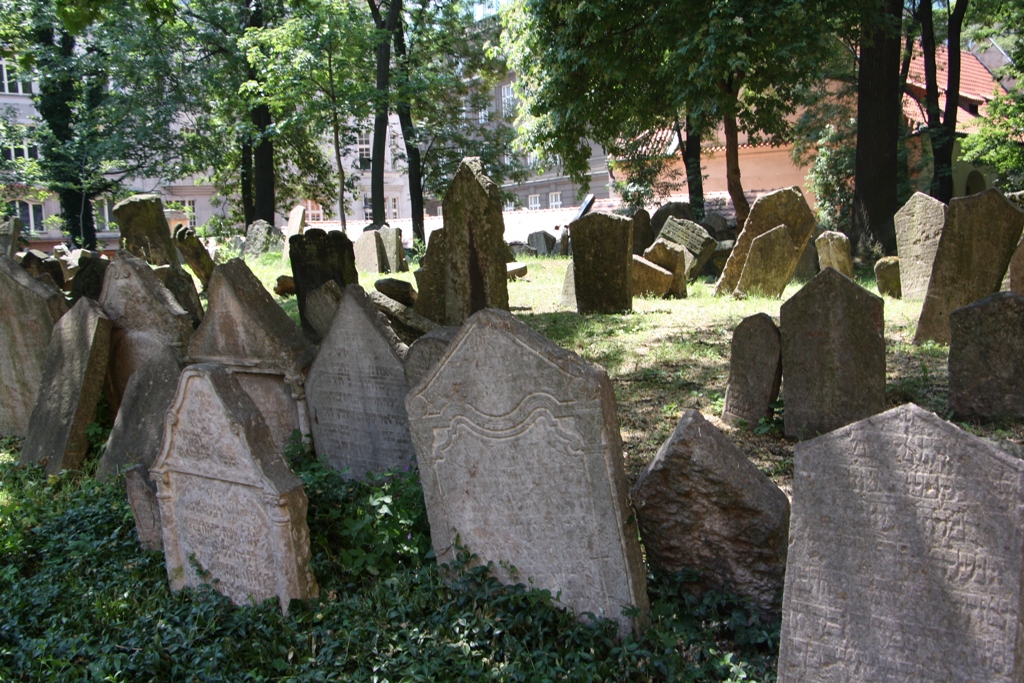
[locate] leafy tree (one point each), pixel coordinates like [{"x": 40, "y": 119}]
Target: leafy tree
[{"x": 999, "y": 142}]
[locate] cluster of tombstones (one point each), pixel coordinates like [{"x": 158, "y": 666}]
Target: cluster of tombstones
[{"x": 901, "y": 556}]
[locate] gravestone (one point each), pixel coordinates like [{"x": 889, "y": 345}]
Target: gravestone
[
  {"x": 233, "y": 514},
  {"x": 369, "y": 252},
  {"x": 755, "y": 371},
  {"x": 194, "y": 253},
  {"x": 974, "y": 251},
  {"x": 473, "y": 260},
  {"x": 649, "y": 279},
  {"x": 696, "y": 240},
  {"x": 565, "y": 243},
  {"x": 603, "y": 263},
  {"x": 770, "y": 264},
  {"x": 145, "y": 507},
  {"x": 1013, "y": 281},
  {"x": 317, "y": 257},
  {"x": 247, "y": 331},
  {"x": 519, "y": 453},
  {"x": 88, "y": 280},
  {"x": 145, "y": 232},
  {"x": 906, "y": 546},
  {"x": 356, "y": 392},
  {"x": 394, "y": 250},
  {"x": 567, "y": 298},
  {"x": 703, "y": 506},
  {"x": 807, "y": 267},
  {"x": 986, "y": 358},
  {"x": 401, "y": 291},
  {"x": 321, "y": 304},
  {"x": 138, "y": 431},
  {"x": 514, "y": 271},
  {"x": 781, "y": 207},
  {"x": 833, "y": 355},
  {"x": 643, "y": 233},
  {"x": 716, "y": 266},
  {"x": 717, "y": 226},
  {"x": 28, "y": 311},
  {"x": 296, "y": 226},
  {"x": 38, "y": 264},
  {"x": 919, "y": 224},
  {"x": 521, "y": 249},
  {"x": 834, "y": 252},
  {"x": 261, "y": 237},
  {"x": 668, "y": 210},
  {"x": 10, "y": 231},
  {"x": 72, "y": 381},
  {"x": 425, "y": 352},
  {"x": 404, "y": 321},
  {"x": 146, "y": 318},
  {"x": 676, "y": 259},
  {"x": 543, "y": 241}
]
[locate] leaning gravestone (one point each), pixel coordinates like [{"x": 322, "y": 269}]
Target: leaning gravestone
[
  {"x": 424, "y": 353},
  {"x": 194, "y": 253},
  {"x": 833, "y": 355},
  {"x": 520, "y": 457},
  {"x": 317, "y": 257},
  {"x": 88, "y": 280},
  {"x": 261, "y": 237},
  {"x": 38, "y": 264},
  {"x": 246, "y": 330},
  {"x": 145, "y": 507},
  {"x": 1014, "y": 280},
  {"x": 807, "y": 267},
  {"x": 10, "y": 231},
  {"x": 394, "y": 250},
  {"x": 674, "y": 258},
  {"x": 296, "y": 226},
  {"x": 603, "y": 263},
  {"x": 233, "y": 514},
  {"x": 430, "y": 279},
  {"x": 834, "y": 252},
  {"x": 543, "y": 241},
  {"x": 70, "y": 389},
  {"x": 29, "y": 310},
  {"x": 919, "y": 224},
  {"x": 986, "y": 358},
  {"x": 567, "y": 298},
  {"x": 770, "y": 264},
  {"x": 974, "y": 252},
  {"x": 649, "y": 279},
  {"x": 321, "y": 305},
  {"x": 643, "y": 233},
  {"x": 905, "y": 557},
  {"x": 681, "y": 210},
  {"x": 755, "y": 371},
  {"x": 782, "y": 207},
  {"x": 401, "y": 291},
  {"x": 404, "y": 321},
  {"x": 704, "y": 507},
  {"x": 369, "y": 253},
  {"x": 696, "y": 240},
  {"x": 356, "y": 392},
  {"x": 144, "y": 229},
  {"x": 887, "y": 276}
]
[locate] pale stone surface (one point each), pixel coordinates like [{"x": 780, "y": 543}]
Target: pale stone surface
[
  {"x": 146, "y": 318},
  {"x": 755, "y": 371},
  {"x": 369, "y": 252},
  {"x": 138, "y": 430},
  {"x": 425, "y": 352},
  {"x": 974, "y": 251},
  {"x": 321, "y": 304},
  {"x": 986, "y": 358},
  {"x": 394, "y": 251},
  {"x": 833, "y": 355},
  {"x": 543, "y": 241},
  {"x": 807, "y": 267},
  {"x": 888, "y": 278},
  {"x": 676, "y": 259},
  {"x": 919, "y": 225},
  {"x": 194, "y": 253},
  {"x": 770, "y": 264},
  {"x": 696, "y": 240},
  {"x": 519, "y": 452},
  {"x": 405, "y": 322},
  {"x": 317, "y": 257},
  {"x": 906, "y": 546},
  {"x": 183, "y": 289},
  {"x": 39, "y": 264},
  {"x": 260, "y": 238},
  {"x": 296, "y": 226},
  {"x": 703, "y": 506},
  {"x": 356, "y": 392},
  {"x": 567, "y": 298},
  {"x": 430, "y": 279},
  {"x": 515, "y": 271},
  {"x": 10, "y": 229},
  {"x": 233, "y": 514},
  {"x": 72, "y": 382},
  {"x": 782, "y": 207},
  {"x": 649, "y": 279},
  {"x": 28, "y": 311},
  {"x": 643, "y": 233},
  {"x": 401, "y": 291},
  {"x": 145, "y": 232},
  {"x": 603, "y": 263},
  {"x": 668, "y": 210},
  {"x": 834, "y": 252},
  {"x": 145, "y": 507}
]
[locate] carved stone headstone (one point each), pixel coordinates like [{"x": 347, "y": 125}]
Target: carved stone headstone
[
  {"x": 194, "y": 253},
  {"x": 425, "y": 352},
  {"x": 38, "y": 264},
  {"x": 770, "y": 264},
  {"x": 321, "y": 304},
  {"x": 703, "y": 506},
  {"x": 696, "y": 240},
  {"x": 430, "y": 279},
  {"x": 674, "y": 258},
  {"x": 834, "y": 252},
  {"x": 603, "y": 263},
  {"x": 28, "y": 311},
  {"x": 919, "y": 225},
  {"x": 403, "y": 320},
  {"x": 145, "y": 507},
  {"x": 88, "y": 280},
  {"x": 260, "y": 238},
  {"x": 233, "y": 514},
  {"x": 668, "y": 210},
  {"x": 643, "y": 233},
  {"x": 833, "y": 355},
  {"x": 905, "y": 556},
  {"x": 369, "y": 252},
  {"x": 296, "y": 226},
  {"x": 519, "y": 453},
  {"x": 401, "y": 291},
  {"x": 755, "y": 371},
  {"x": 356, "y": 392},
  {"x": 10, "y": 231},
  {"x": 543, "y": 241},
  {"x": 317, "y": 257},
  {"x": 974, "y": 251},
  {"x": 649, "y": 279},
  {"x": 782, "y": 207},
  {"x": 887, "y": 277},
  {"x": 394, "y": 250},
  {"x": 144, "y": 229}
]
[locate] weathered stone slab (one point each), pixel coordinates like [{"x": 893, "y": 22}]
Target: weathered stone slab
[
  {"x": 88, "y": 280},
  {"x": 430, "y": 279},
  {"x": 296, "y": 226},
  {"x": 603, "y": 263},
  {"x": 317, "y": 257},
  {"x": 514, "y": 271},
  {"x": 183, "y": 288},
  {"x": 807, "y": 267},
  {"x": 233, "y": 514},
  {"x": 145, "y": 232},
  {"x": 755, "y": 371},
  {"x": 262, "y": 237},
  {"x": 833, "y": 355},
  {"x": 650, "y": 279},
  {"x": 10, "y": 230},
  {"x": 1016, "y": 270},
  {"x": 834, "y": 252},
  {"x": 356, "y": 392},
  {"x": 28, "y": 311},
  {"x": 782, "y": 207},
  {"x": 674, "y": 258},
  {"x": 974, "y": 251},
  {"x": 986, "y": 358},
  {"x": 568, "y": 295},
  {"x": 394, "y": 250},
  {"x": 887, "y": 276},
  {"x": 403, "y": 320},
  {"x": 72, "y": 382},
  {"x": 680, "y": 210},
  {"x": 521, "y": 249},
  {"x": 543, "y": 242},
  {"x": 424, "y": 353},
  {"x": 906, "y": 546},
  {"x": 696, "y": 240},
  {"x": 519, "y": 454},
  {"x": 321, "y": 304},
  {"x": 194, "y": 253},
  {"x": 717, "y": 226},
  {"x": 38, "y": 264},
  {"x": 401, "y": 291},
  {"x": 919, "y": 225},
  {"x": 770, "y": 264},
  {"x": 145, "y": 507},
  {"x": 369, "y": 252},
  {"x": 703, "y": 506},
  {"x": 643, "y": 233}
]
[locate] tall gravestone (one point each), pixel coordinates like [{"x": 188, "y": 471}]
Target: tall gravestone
[
  {"x": 973, "y": 254},
  {"x": 394, "y": 250},
  {"x": 317, "y": 257},
  {"x": 430, "y": 279},
  {"x": 769, "y": 265},
  {"x": 519, "y": 452},
  {"x": 233, "y": 514},
  {"x": 782, "y": 207},
  {"x": 194, "y": 253},
  {"x": 905, "y": 556},
  {"x": 919, "y": 225},
  {"x": 602, "y": 263},
  {"x": 72, "y": 381},
  {"x": 643, "y": 233},
  {"x": 29, "y": 309},
  {"x": 369, "y": 253},
  {"x": 356, "y": 392},
  {"x": 296, "y": 226},
  {"x": 321, "y": 305},
  {"x": 755, "y": 371},
  {"x": 833, "y": 355}
]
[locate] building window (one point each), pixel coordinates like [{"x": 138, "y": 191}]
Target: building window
[
  {"x": 367, "y": 208},
  {"x": 439, "y": 211},
  {"x": 510, "y": 205},
  {"x": 190, "y": 209},
  {"x": 508, "y": 101},
  {"x": 364, "y": 145},
  {"x": 24, "y": 149},
  {"x": 554, "y": 200},
  {"x": 31, "y": 215},
  {"x": 314, "y": 212},
  {"x": 103, "y": 214},
  {"x": 483, "y": 115},
  {"x": 392, "y": 207},
  {"x": 534, "y": 202},
  {"x": 9, "y": 82}
]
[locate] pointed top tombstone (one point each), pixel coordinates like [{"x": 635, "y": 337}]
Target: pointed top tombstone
[
  {"x": 919, "y": 225},
  {"x": 145, "y": 230}
]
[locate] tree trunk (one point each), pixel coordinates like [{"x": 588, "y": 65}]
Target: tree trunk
[
  {"x": 380, "y": 119},
  {"x": 78, "y": 217},
  {"x": 732, "y": 170},
  {"x": 691, "y": 160},
  {"x": 336, "y": 128},
  {"x": 412, "y": 150},
  {"x": 878, "y": 119},
  {"x": 245, "y": 180},
  {"x": 943, "y": 154},
  {"x": 263, "y": 167}
]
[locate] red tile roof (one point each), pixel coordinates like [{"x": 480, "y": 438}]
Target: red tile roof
[{"x": 977, "y": 88}]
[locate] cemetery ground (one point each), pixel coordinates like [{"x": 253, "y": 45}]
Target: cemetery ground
[{"x": 80, "y": 600}]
